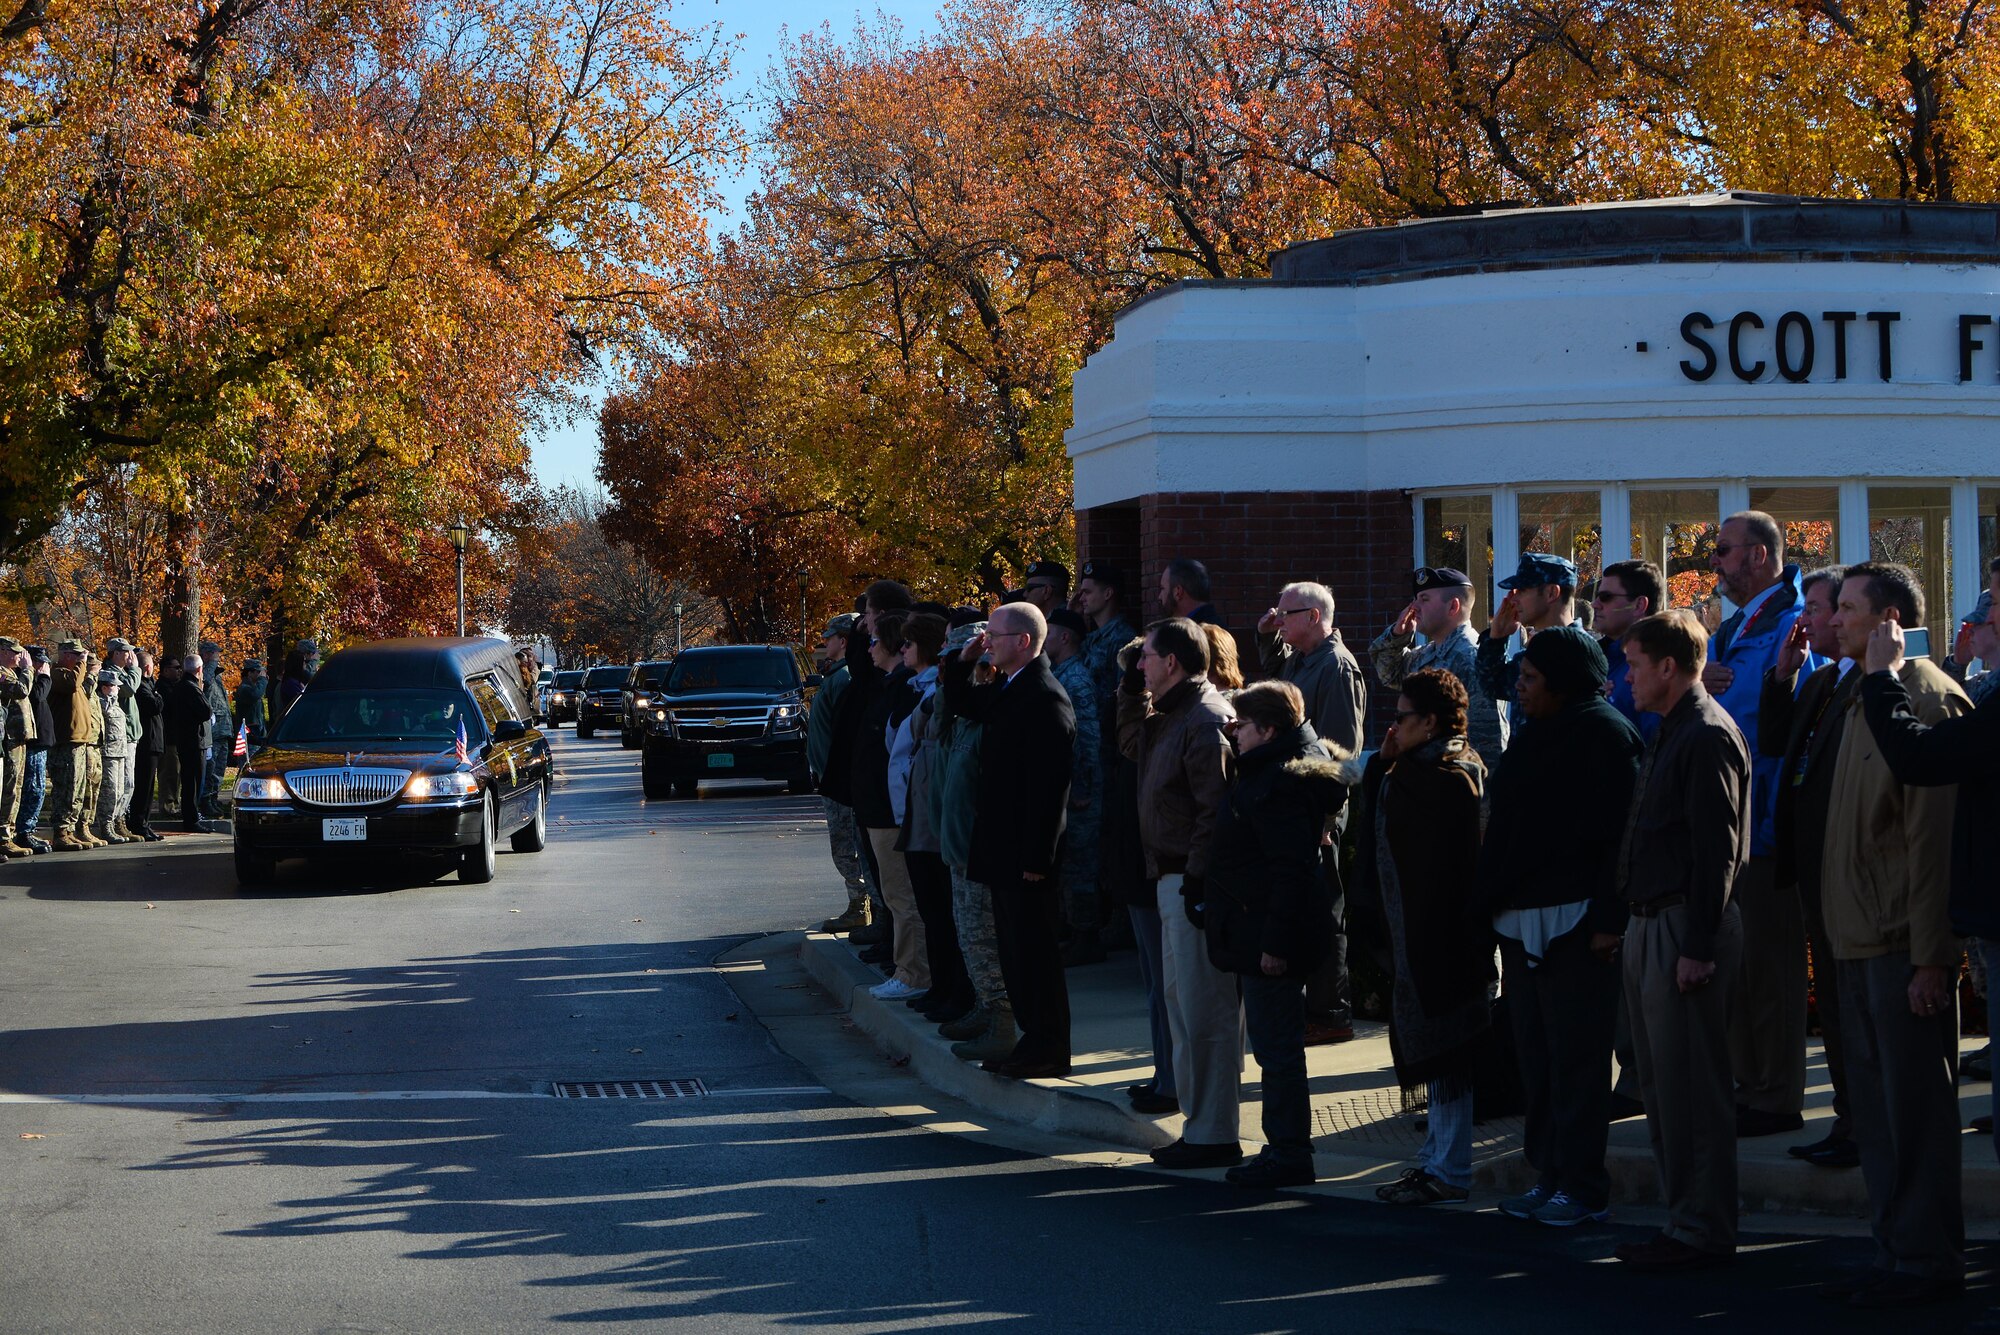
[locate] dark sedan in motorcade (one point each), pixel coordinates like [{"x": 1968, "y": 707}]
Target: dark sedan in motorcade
[
  {"x": 642, "y": 683},
  {"x": 406, "y": 746},
  {"x": 600, "y": 698},
  {"x": 563, "y": 695},
  {"x": 727, "y": 712}
]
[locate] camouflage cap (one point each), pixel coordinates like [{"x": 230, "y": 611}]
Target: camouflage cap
[
  {"x": 70, "y": 647},
  {"x": 11, "y": 646}
]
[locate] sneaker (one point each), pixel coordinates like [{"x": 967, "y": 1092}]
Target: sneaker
[
  {"x": 1524, "y": 1205},
  {"x": 1565, "y": 1211},
  {"x": 894, "y": 990},
  {"x": 1417, "y": 1187}
]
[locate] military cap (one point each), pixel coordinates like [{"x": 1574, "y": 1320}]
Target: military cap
[
  {"x": 209, "y": 648},
  {"x": 1104, "y": 572},
  {"x": 1439, "y": 577},
  {"x": 253, "y": 665},
  {"x": 1054, "y": 570},
  {"x": 1982, "y": 609},
  {"x": 1072, "y": 622},
  {"x": 960, "y": 636},
  {"x": 1014, "y": 596},
  {"x": 71, "y": 647},
  {"x": 107, "y": 677},
  {"x": 115, "y": 645},
  {"x": 1539, "y": 568},
  {"x": 842, "y": 625},
  {"x": 11, "y": 646},
  {"x": 308, "y": 648}
]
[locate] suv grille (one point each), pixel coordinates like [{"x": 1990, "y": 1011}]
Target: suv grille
[
  {"x": 722, "y": 725},
  {"x": 346, "y": 787}
]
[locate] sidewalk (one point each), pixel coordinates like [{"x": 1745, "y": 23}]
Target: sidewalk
[{"x": 1360, "y": 1130}]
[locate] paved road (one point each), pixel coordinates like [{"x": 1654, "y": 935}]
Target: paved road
[{"x": 325, "y": 1110}]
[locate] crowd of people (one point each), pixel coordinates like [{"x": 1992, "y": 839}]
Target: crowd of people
[
  {"x": 96, "y": 747},
  {"x": 1595, "y": 828}
]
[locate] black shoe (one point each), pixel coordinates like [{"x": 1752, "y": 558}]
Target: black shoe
[
  {"x": 1028, "y": 1068},
  {"x": 875, "y": 934},
  {"x": 1267, "y": 1172},
  {"x": 1756, "y": 1122},
  {"x": 1666, "y": 1254},
  {"x": 1624, "y": 1106},
  {"x": 1152, "y": 1102},
  {"x": 39, "y": 845},
  {"x": 1807, "y": 1151},
  {"x": 152, "y": 836},
  {"x": 1982, "y": 1124},
  {"x": 877, "y": 955},
  {"x": 1835, "y": 1154},
  {"x": 1910, "y": 1291},
  {"x": 1976, "y": 1069},
  {"x": 1182, "y": 1154}
]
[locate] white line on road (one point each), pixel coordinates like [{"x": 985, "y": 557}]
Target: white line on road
[{"x": 381, "y": 1096}]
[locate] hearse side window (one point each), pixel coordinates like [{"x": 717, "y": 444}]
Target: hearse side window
[{"x": 492, "y": 704}]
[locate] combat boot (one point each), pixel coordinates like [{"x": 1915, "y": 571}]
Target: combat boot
[
  {"x": 65, "y": 842},
  {"x": 89, "y": 839},
  {"x": 996, "y": 1044},
  {"x": 124, "y": 831},
  {"x": 856, "y": 917},
  {"x": 17, "y": 848},
  {"x": 968, "y": 1026},
  {"x": 104, "y": 834}
]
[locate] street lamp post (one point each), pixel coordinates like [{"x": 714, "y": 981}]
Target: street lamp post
[
  {"x": 459, "y": 535},
  {"x": 678, "y": 609}
]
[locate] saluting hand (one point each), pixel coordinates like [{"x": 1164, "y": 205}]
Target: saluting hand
[
  {"x": 1271, "y": 622},
  {"x": 974, "y": 647},
  {"x": 1962, "y": 652},
  {"x": 1506, "y": 617},
  {"x": 1406, "y": 622},
  {"x": 1885, "y": 646},
  {"x": 1792, "y": 654}
]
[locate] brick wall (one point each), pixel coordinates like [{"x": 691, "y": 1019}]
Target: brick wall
[{"x": 1358, "y": 544}]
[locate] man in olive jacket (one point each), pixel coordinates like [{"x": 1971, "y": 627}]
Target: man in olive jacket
[
  {"x": 1171, "y": 722},
  {"x": 76, "y": 736},
  {"x": 1886, "y": 895}
]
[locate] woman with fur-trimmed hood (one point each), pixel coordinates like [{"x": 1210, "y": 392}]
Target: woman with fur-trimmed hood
[
  {"x": 1268, "y": 911},
  {"x": 1418, "y": 846}
]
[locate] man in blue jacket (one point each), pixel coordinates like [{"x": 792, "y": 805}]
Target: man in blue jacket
[{"x": 1767, "y": 1027}]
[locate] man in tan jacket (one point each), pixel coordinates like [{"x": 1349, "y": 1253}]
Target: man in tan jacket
[{"x": 1886, "y": 881}]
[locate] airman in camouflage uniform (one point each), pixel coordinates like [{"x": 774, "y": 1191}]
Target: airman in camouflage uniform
[{"x": 1082, "y": 904}]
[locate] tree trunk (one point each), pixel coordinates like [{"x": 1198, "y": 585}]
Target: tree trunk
[{"x": 180, "y": 615}]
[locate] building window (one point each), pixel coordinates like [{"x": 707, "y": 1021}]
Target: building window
[
  {"x": 1565, "y": 523},
  {"x": 1989, "y": 529},
  {"x": 1810, "y": 518},
  {"x": 1675, "y": 530},
  {"x": 1912, "y": 526},
  {"x": 1458, "y": 532}
]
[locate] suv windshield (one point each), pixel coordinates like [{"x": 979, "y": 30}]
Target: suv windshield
[
  {"x": 652, "y": 674},
  {"x": 732, "y": 670},
  {"x": 565, "y": 680},
  {"x": 386, "y": 715},
  {"x": 601, "y": 677}
]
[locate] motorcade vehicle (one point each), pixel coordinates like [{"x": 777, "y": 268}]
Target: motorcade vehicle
[
  {"x": 641, "y": 685},
  {"x": 600, "y": 698},
  {"x": 399, "y": 747},
  {"x": 727, "y": 712},
  {"x": 562, "y": 697},
  {"x": 544, "y": 684}
]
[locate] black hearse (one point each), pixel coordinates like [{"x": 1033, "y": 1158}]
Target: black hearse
[{"x": 406, "y": 746}]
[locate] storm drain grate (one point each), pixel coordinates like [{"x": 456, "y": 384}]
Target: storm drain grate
[{"x": 630, "y": 1089}]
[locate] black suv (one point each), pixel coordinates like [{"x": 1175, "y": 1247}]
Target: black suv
[
  {"x": 600, "y": 698},
  {"x": 563, "y": 696},
  {"x": 641, "y": 685},
  {"x": 727, "y": 712}
]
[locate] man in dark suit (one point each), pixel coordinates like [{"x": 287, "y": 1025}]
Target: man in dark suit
[
  {"x": 189, "y": 725},
  {"x": 1802, "y": 721},
  {"x": 1024, "y": 776}
]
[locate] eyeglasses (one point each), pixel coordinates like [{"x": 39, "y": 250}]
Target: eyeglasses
[
  {"x": 1605, "y": 596},
  {"x": 1723, "y": 549},
  {"x": 1294, "y": 611}
]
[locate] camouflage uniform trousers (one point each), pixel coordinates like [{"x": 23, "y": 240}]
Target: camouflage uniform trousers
[
  {"x": 972, "y": 910},
  {"x": 14, "y": 760},
  {"x": 844, "y": 834},
  {"x": 114, "y": 791},
  {"x": 66, "y": 777},
  {"x": 93, "y": 784},
  {"x": 1081, "y": 897}
]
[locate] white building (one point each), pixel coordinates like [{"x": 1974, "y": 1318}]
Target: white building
[{"x": 1609, "y": 378}]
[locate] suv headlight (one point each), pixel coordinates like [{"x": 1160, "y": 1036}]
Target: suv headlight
[
  {"x": 253, "y": 789},
  {"x": 455, "y": 784},
  {"x": 663, "y": 721},
  {"x": 786, "y": 717},
  {"x": 641, "y": 699}
]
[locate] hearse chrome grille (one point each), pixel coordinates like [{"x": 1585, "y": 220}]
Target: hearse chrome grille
[{"x": 346, "y": 787}]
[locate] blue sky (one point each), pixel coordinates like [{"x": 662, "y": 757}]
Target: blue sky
[{"x": 569, "y": 454}]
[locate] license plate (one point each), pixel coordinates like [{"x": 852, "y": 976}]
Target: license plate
[
  {"x": 721, "y": 760},
  {"x": 347, "y": 831}
]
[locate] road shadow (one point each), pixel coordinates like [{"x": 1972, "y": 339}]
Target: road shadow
[{"x": 202, "y": 868}]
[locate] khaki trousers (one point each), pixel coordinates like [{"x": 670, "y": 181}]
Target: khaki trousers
[
  {"x": 1205, "y": 1018},
  {"x": 66, "y": 778},
  {"x": 93, "y": 783},
  {"x": 1682, "y": 1045},
  {"x": 913, "y": 961},
  {"x": 1767, "y": 1025}
]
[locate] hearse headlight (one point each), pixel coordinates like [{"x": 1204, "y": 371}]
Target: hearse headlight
[{"x": 457, "y": 783}]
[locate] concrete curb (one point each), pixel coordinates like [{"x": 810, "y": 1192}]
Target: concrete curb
[{"x": 1060, "y": 1107}]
